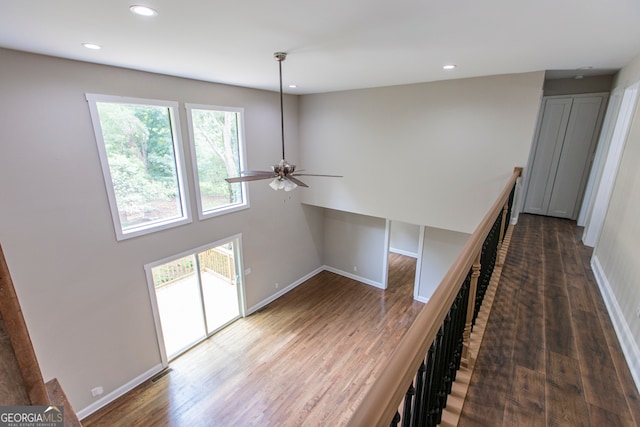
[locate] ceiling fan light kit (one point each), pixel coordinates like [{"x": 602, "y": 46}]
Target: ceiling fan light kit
[{"x": 282, "y": 174}]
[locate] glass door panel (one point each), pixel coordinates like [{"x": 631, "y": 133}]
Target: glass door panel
[
  {"x": 219, "y": 286},
  {"x": 196, "y": 295},
  {"x": 179, "y": 304}
]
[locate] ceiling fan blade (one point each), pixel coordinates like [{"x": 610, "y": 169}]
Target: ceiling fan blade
[
  {"x": 313, "y": 174},
  {"x": 255, "y": 172},
  {"x": 296, "y": 181},
  {"x": 250, "y": 178}
]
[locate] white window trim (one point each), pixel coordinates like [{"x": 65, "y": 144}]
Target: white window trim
[
  {"x": 186, "y": 217},
  {"x": 194, "y": 161}
]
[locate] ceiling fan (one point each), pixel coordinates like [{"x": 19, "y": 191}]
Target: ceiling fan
[{"x": 283, "y": 174}]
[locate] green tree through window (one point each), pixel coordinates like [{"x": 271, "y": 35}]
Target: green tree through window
[
  {"x": 139, "y": 149},
  {"x": 217, "y": 144}
]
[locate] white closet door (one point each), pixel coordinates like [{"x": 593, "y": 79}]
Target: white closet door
[
  {"x": 576, "y": 155},
  {"x": 551, "y": 133}
]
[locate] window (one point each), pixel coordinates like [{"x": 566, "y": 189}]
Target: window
[
  {"x": 217, "y": 148},
  {"x": 142, "y": 163}
]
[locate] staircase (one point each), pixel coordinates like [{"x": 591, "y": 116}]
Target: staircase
[{"x": 21, "y": 381}]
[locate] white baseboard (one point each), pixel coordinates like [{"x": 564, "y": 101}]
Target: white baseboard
[
  {"x": 627, "y": 342},
  {"x": 277, "y": 295},
  {"x": 303, "y": 279},
  {"x": 355, "y": 277},
  {"x": 422, "y": 299},
  {"x": 83, "y": 413},
  {"x": 514, "y": 218},
  {"x": 403, "y": 252}
]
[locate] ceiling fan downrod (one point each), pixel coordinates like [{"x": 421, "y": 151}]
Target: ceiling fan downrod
[
  {"x": 283, "y": 174},
  {"x": 281, "y": 56}
]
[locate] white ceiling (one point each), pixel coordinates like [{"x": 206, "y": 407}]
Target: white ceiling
[{"x": 332, "y": 44}]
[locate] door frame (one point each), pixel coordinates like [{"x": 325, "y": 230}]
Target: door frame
[
  {"x": 242, "y": 302},
  {"x": 606, "y": 133},
  {"x": 604, "y": 188}
]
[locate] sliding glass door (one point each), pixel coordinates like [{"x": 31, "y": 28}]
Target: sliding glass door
[{"x": 195, "y": 295}]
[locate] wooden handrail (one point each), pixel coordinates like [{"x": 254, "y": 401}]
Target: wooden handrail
[
  {"x": 381, "y": 402},
  {"x": 20, "y": 339}
]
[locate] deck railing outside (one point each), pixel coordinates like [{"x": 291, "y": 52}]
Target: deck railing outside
[
  {"x": 217, "y": 260},
  {"x": 414, "y": 386}
]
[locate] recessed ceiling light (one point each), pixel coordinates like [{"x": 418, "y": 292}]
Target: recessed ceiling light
[
  {"x": 449, "y": 67},
  {"x": 92, "y": 46},
  {"x": 293, "y": 86},
  {"x": 143, "y": 10}
]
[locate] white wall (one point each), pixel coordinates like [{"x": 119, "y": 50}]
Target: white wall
[
  {"x": 440, "y": 249},
  {"x": 616, "y": 255},
  {"x": 404, "y": 238},
  {"x": 354, "y": 246},
  {"x": 436, "y": 153},
  {"x": 84, "y": 294}
]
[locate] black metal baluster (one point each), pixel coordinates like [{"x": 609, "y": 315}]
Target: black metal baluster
[
  {"x": 440, "y": 378},
  {"x": 479, "y": 286},
  {"x": 448, "y": 357},
  {"x": 509, "y": 209},
  {"x": 487, "y": 263},
  {"x": 462, "y": 318},
  {"x": 428, "y": 390},
  {"x": 395, "y": 420},
  {"x": 436, "y": 380},
  {"x": 408, "y": 407},
  {"x": 456, "y": 348},
  {"x": 420, "y": 403}
]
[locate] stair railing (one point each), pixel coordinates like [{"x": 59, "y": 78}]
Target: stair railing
[
  {"x": 37, "y": 392},
  {"x": 413, "y": 387}
]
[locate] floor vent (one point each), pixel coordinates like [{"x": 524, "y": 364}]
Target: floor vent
[{"x": 161, "y": 374}]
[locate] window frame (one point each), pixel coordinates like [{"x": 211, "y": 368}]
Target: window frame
[
  {"x": 181, "y": 177},
  {"x": 202, "y": 215}
]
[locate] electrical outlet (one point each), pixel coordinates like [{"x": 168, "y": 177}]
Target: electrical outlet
[
  {"x": 355, "y": 268},
  {"x": 97, "y": 391},
  {"x": 277, "y": 285},
  {"x": 638, "y": 311}
]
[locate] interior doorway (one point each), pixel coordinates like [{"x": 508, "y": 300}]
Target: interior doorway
[
  {"x": 404, "y": 240},
  {"x": 195, "y": 294},
  {"x": 565, "y": 141}
]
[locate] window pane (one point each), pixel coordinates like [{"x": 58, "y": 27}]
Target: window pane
[
  {"x": 217, "y": 146},
  {"x": 219, "y": 279},
  {"x": 139, "y": 144},
  {"x": 179, "y": 304}
]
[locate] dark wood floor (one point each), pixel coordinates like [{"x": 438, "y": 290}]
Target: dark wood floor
[
  {"x": 550, "y": 356},
  {"x": 306, "y": 359}
]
